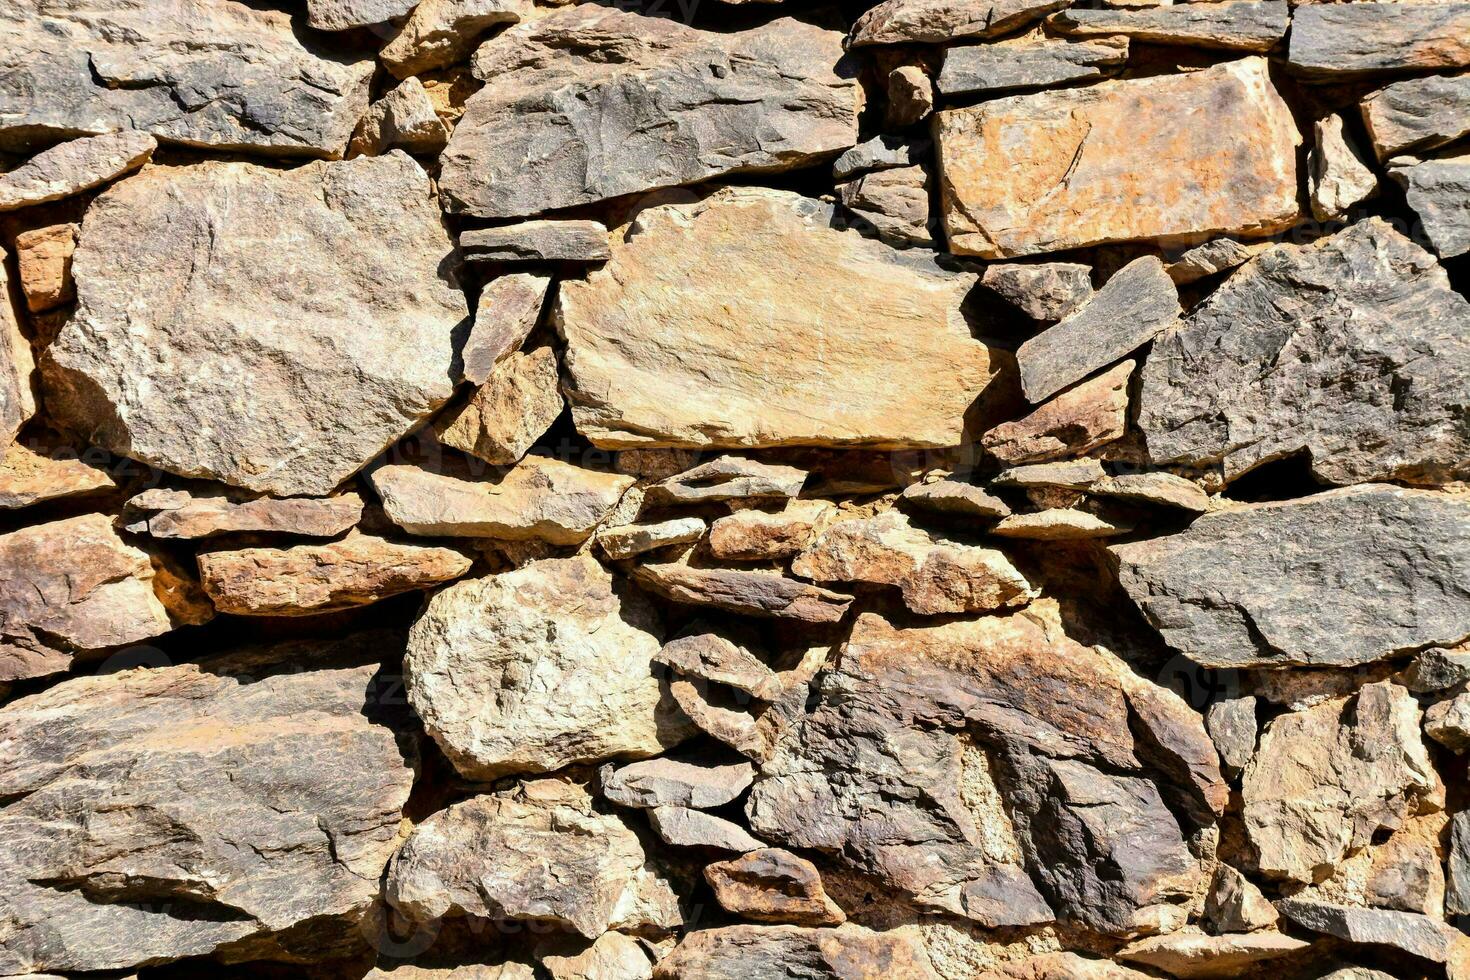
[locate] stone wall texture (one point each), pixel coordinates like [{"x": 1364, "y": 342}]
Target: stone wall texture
[{"x": 734, "y": 489}]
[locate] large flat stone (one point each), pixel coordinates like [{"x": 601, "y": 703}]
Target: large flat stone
[
  {"x": 1354, "y": 349},
  {"x": 73, "y": 167},
  {"x": 1030, "y": 61},
  {"x": 594, "y": 102},
  {"x": 742, "y": 952},
  {"x": 189, "y": 282},
  {"x": 1335, "y": 579},
  {"x": 1231, "y": 25},
  {"x": 700, "y": 332},
  {"x": 211, "y": 73},
  {"x": 244, "y": 808},
  {"x": 1418, "y": 113},
  {"x": 938, "y": 21},
  {"x": 540, "y": 668},
  {"x": 1120, "y": 161},
  {"x": 1329, "y": 40}
]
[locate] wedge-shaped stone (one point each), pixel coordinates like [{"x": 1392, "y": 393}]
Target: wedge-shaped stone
[
  {"x": 1354, "y": 349},
  {"x": 1061, "y": 966},
  {"x": 1418, "y": 113},
  {"x": 166, "y": 513},
  {"x": 708, "y": 655},
  {"x": 1045, "y": 291},
  {"x": 937, "y": 21},
  {"x": 245, "y": 808},
  {"x": 33, "y": 475},
  {"x": 504, "y": 417},
  {"x": 72, "y": 585},
  {"x": 1134, "y": 306},
  {"x": 882, "y": 152},
  {"x": 627, "y": 540},
  {"x": 1232, "y": 25},
  {"x": 1338, "y": 578},
  {"x": 727, "y": 478},
  {"x": 1120, "y": 161},
  {"x": 849, "y": 952},
  {"x": 579, "y": 241},
  {"x": 701, "y": 329},
  {"x": 212, "y": 73},
  {"x": 936, "y": 574},
  {"x": 1325, "y": 779},
  {"x": 1439, "y": 192},
  {"x": 674, "y": 782},
  {"x": 1423, "y": 936},
  {"x": 958, "y": 762},
  {"x": 441, "y": 32},
  {"x": 1198, "y": 954},
  {"x": 537, "y": 499},
  {"x": 1031, "y": 61},
  {"x": 682, "y": 827},
  {"x": 538, "y": 852},
  {"x": 317, "y": 578},
  {"x": 1217, "y": 255},
  {"x": 1330, "y": 39},
  {"x": 1059, "y": 524},
  {"x": 73, "y": 167},
  {"x": 1341, "y": 175},
  {"x": 772, "y": 885},
  {"x": 17, "y": 367},
  {"x": 954, "y": 498},
  {"x": 509, "y": 309},
  {"x": 189, "y": 281},
  {"x": 758, "y": 535},
  {"x": 1091, "y": 414},
  {"x": 766, "y": 594},
  {"x": 341, "y": 15},
  {"x": 595, "y": 102},
  {"x": 540, "y": 668},
  {"x": 404, "y": 118},
  {"x": 892, "y": 204}
]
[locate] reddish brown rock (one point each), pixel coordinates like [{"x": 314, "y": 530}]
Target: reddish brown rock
[
  {"x": 505, "y": 416},
  {"x": 1077, "y": 421},
  {"x": 772, "y": 885},
  {"x": 758, "y": 535},
  {"x": 767, "y": 594},
  {"x": 44, "y": 259},
  {"x": 316, "y": 578},
  {"x": 937, "y": 21},
  {"x": 47, "y": 472},
  {"x": 509, "y": 309},
  {"x": 166, "y": 513},
  {"x": 848, "y": 952}
]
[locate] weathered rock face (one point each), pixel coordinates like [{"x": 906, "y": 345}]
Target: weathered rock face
[
  {"x": 245, "y": 808},
  {"x": 1418, "y": 113},
  {"x": 727, "y": 478},
  {"x": 29, "y": 476},
  {"x": 1333, "y": 579},
  {"x": 1341, "y": 176},
  {"x": 1438, "y": 191},
  {"x": 507, "y": 414},
  {"x": 210, "y": 73},
  {"x": 538, "y": 499},
  {"x": 165, "y": 513},
  {"x": 1233, "y": 25},
  {"x": 766, "y": 594},
  {"x": 17, "y": 366},
  {"x": 1044, "y": 291},
  {"x": 1324, "y": 780},
  {"x": 653, "y": 362},
  {"x": 772, "y": 885},
  {"x": 483, "y": 857},
  {"x": 898, "y": 21},
  {"x": 1030, "y": 61},
  {"x": 43, "y": 257},
  {"x": 73, "y": 167},
  {"x": 538, "y": 241},
  {"x": 527, "y": 144},
  {"x": 540, "y": 668},
  {"x": 894, "y": 203},
  {"x": 848, "y": 952},
  {"x": 1117, "y": 161},
  {"x": 1087, "y": 416},
  {"x": 1353, "y": 348},
  {"x": 184, "y": 284},
  {"x": 341, "y": 15},
  {"x": 509, "y": 309},
  {"x": 317, "y": 578},
  {"x": 672, "y": 782},
  {"x": 1328, "y": 40},
  {"x": 72, "y": 585},
  {"x": 441, "y": 32},
  {"x": 957, "y": 763},
  {"x": 404, "y": 118}
]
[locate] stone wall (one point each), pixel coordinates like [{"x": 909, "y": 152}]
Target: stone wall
[{"x": 749, "y": 489}]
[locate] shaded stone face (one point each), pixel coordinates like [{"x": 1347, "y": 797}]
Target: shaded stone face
[
  {"x": 698, "y": 333},
  {"x": 568, "y": 118},
  {"x": 210, "y": 73},
  {"x": 1119, "y": 161},
  {"x": 188, "y": 283},
  {"x": 191, "y": 810}
]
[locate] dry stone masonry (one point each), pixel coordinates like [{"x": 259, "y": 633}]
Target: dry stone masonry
[{"x": 734, "y": 489}]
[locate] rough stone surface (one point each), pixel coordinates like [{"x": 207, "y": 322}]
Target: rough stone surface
[
  {"x": 954, "y": 497},
  {"x": 36, "y": 475},
  {"x": 627, "y": 540},
  {"x": 540, "y": 668},
  {"x": 483, "y": 857},
  {"x": 880, "y": 153},
  {"x": 1353, "y": 348},
  {"x": 1196, "y": 954},
  {"x": 674, "y": 782},
  {"x": 509, "y": 412},
  {"x": 1058, "y": 524},
  {"x": 593, "y": 102},
  {"x": 1218, "y": 255},
  {"x": 208, "y": 73},
  {"x": 936, "y": 574},
  {"x": 682, "y": 827},
  {"x": 317, "y": 578},
  {"x": 849, "y": 952},
  {"x": 1016, "y": 173},
  {"x": 73, "y": 167},
  {"x": 1448, "y": 723},
  {"x": 179, "y": 288},
  {"x": 1134, "y": 306},
  {"x": 768, "y": 594},
  {"x": 1044, "y": 291},
  {"x": 902, "y": 21},
  {"x": 1417, "y": 935},
  {"x": 1330, "y": 40},
  {"x": 404, "y": 118},
  {"x": 652, "y": 362},
  {"x": 1457, "y": 891},
  {"x": 1417, "y": 113},
  {"x": 612, "y": 956},
  {"x": 1439, "y": 192},
  {"x": 1028, "y": 62},
  {"x": 1326, "y": 778},
  {"x": 1072, "y": 474},
  {"x": 441, "y": 32},
  {"x": 244, "y": 808},
  {"x": 756, "y": 535},
  {"x": 538, "y": 241},
  {"x": 710, "y": 655},
  {"x": 1233, "y": 728},
  {"x": 43, "y": 257},
  {"x": 17, "y": 367},
  {"x": 727, "y": 478},
  {"x": 1234, "y": 904},
  {"x": 1163, "y": 489},
  {"x": 772, "y": 885},
  {"x": 341, "y": 15},
  {"x": 1333, "y": 579},
  {"x": 538, "y": 499},
  {"x": 893, "y": 202},
  {"x": 164, "y": 513},
  {"x": 1231, "y": 25},
  {"x": 1090, "y": 415},
  {"x": 72, "y": 585},
  {"x": 508, "y": 311},
  {"x": 1437, "y": 669},
  {"x": 1341, "y": 176},
  {"x": 910, "y": 96}
]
